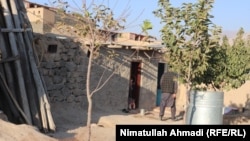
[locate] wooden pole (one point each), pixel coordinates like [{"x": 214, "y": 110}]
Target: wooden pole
[
  {"x": 14, "y": 30},
  {"x": 44, "y": 104},
  {"x": 5, "y": 53},
  {"x": 11, "y": 100},
  {"x": 13, "y": 46},
  {"x": 12, "y": 111},
  {"x": 29, "y": 82}
]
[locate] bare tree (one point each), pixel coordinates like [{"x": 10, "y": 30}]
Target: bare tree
[{"x": 94, "y": 25}]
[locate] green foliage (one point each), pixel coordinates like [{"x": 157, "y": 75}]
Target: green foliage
[
  {"x": 237, "y": 66},
  {"x": 147, "y": 25},
  {"x": 194, "y": 50}
]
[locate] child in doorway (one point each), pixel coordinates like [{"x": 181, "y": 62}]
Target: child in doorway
[{"x": 131, "y": 99}]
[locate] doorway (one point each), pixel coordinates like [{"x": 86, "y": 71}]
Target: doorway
[
  {"x": 135, "y": 73},
  {"x": 161, "y": 69}
]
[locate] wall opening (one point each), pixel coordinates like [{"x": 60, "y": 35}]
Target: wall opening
[
  {"x": 52, "y": 49},
  {"x": 135, "y": 73},
  {"x": 161, "y": 68}
]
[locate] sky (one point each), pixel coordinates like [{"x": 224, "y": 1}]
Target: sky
[{"x": 231, "y": 15}]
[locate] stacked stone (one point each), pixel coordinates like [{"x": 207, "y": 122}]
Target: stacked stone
[{"x": 64, "y": 71}]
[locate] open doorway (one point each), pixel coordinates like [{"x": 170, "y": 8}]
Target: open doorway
[
  {"x": 135, "y": 74},
  {"x": 161, "y": 69}
]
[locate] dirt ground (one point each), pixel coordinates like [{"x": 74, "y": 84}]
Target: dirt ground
[
  {"x": 11, "y": 132},
  {"x": 70, "y": 120}
]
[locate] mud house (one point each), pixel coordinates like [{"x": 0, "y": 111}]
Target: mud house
[
  {"x": 64, "y": 61},
  {"x": 63, "y": 65},
  {"x": 41, "y": 17}
]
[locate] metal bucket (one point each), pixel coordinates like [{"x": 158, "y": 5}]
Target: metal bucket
[{"x": 205, "y": 107}]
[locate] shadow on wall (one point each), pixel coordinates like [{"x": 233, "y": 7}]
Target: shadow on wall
[{"x": 63, "y": 65}]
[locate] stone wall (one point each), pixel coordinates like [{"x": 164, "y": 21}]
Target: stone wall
[
  {"x": 64, "y": 71},
  {"x": 63, "y": 65}
]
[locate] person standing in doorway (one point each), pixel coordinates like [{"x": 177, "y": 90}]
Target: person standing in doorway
[{"x": 168, "y": 84}]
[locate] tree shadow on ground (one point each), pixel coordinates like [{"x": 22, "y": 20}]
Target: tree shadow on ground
[{"x": 239, "y": 114}]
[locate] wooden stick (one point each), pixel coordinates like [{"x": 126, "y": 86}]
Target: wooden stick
[
  {"x": 13, "y": 45},
  {"x": 9, "y": 94},
  {"x": 13, "y": 113},
  {"x": 29, "y": 81},
  {"x": 10, "y": 59},
  {"x": 38, "y": 81},
  {"x": 15, "y": 30}
]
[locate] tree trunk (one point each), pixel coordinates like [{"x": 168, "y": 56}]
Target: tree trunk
[
  {"x": 89, "y": 96},
  {"x": 89, "y": 116}
]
